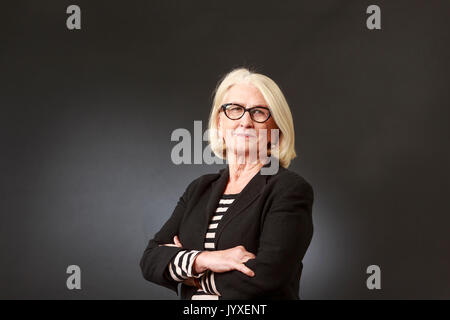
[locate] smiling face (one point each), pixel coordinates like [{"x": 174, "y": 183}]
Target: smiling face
[{"x": 244, "y": 136}]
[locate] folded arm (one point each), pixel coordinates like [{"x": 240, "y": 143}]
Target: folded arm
[
  {"x": 156, "y": 256},
  {"x": 285, "y": 237}
]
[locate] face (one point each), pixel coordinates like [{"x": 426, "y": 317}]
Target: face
[{"x": 244, "y": 136}]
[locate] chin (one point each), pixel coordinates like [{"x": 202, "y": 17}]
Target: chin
[{"x": 246, "y": 151}]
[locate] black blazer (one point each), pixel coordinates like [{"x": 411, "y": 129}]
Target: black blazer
[{"x": 271, "y": 218}]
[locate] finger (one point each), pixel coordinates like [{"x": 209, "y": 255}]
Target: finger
[
  {"x": 251, "y": 255},
  {"x": 243, "y": 250},
  {"x": 244, "y": 269},
  {"x": 247, "y": 257},
  {"x": 177, "y": 241},
  {"x": 168, "y": 245}
]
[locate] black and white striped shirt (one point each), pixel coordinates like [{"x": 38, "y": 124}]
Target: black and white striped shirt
[{"x": 180, "y": 267}]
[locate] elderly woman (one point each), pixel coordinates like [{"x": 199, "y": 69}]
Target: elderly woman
[{"x": 239, "y": 233}]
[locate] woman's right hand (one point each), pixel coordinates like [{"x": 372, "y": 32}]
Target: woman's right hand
[{"x": 224, "y": 260}]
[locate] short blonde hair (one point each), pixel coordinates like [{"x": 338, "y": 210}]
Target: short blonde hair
[{"x": 279, "y": 108}]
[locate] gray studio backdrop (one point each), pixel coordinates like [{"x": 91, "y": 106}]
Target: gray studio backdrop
[{"x": 86, "y": 173}]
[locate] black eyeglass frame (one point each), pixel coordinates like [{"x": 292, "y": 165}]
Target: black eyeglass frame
[{"x": 224, "y": 108}]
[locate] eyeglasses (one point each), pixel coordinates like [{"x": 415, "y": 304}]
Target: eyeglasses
[{"x": 235, "y": 111}]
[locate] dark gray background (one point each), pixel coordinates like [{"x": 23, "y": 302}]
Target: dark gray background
[{"x": 86, "y": 174}]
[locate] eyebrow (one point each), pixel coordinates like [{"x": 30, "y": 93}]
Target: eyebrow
[{"x": 254, "y": 106}]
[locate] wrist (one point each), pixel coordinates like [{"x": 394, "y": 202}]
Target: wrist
[{"x": 200, "y": 265}]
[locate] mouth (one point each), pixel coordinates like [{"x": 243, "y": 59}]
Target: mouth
[{"x": 245, "y": 135}]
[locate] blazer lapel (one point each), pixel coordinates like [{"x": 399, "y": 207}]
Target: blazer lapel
[
  {"x": 217, "y": 189},
  {"x": 249, "y": 194}
]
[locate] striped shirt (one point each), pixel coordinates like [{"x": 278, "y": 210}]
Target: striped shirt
[{"x": 181, "y": 266}]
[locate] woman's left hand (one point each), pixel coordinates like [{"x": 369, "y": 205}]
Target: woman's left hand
[{"x": 176, "y": 243}]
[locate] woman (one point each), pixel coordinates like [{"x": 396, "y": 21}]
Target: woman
[{"x": 239, "y": 233}]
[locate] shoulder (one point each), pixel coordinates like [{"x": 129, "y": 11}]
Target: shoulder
[
  {"x": 289, "y": 182},
  {"x": 202, "y": 181},
  {"x": 208, "y": 178}
]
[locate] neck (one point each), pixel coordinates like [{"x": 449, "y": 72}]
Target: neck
[{"x": 239, "y": 169}]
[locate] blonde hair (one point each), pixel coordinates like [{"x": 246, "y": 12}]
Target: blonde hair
[{"x": 278, "y": 105}]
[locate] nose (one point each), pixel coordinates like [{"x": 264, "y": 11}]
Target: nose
[{"x": 246, "y": 120}]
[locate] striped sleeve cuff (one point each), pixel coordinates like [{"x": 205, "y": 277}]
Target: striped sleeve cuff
[
  {"x": 181, "y": 266},
  {"x": 208, "y": 283}
]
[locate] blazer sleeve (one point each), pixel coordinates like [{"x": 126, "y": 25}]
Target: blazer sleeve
[
  {"x": 285, "y": 237},
  {"x": 156, "y": 258}
]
